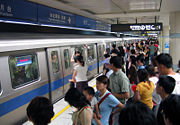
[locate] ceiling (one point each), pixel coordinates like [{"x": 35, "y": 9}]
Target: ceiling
[{"x": 117, "y": 11}]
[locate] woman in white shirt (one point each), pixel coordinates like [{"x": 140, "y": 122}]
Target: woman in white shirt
[{"x": 79, "y": 74}]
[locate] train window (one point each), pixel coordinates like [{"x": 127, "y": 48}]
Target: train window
[
  {"x": 0, "y": 87},
  {"x": 55, "y": 61},
  {"x": 81, "y": 50},
  {"x": 103, "y": 47},
  {"x": 90, "y": 53},
  {"x": 23, "y": 69},
  {"x": 66, "y": 58},
  {"x": 100, "y": 52}
]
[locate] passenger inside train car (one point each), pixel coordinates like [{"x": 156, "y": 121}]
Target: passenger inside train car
[
  {"x": 23, "y": 69},
  {"x": 55, "y": 61}
]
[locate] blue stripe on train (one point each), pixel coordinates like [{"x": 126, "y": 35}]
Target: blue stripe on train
[
  {"x": 25, "y": 98},
  {"x": 21, "y": 100}
]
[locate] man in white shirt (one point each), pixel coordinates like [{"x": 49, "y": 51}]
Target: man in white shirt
[{"x": 164, "y": 63}]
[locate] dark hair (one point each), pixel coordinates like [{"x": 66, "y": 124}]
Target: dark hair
[
  {"x": 75, "y": 98},
  {"x": 121, "y": 51},
  {"x": 103, "y": 79},
  {"x": 114, "y": 46},
  {"x": 165, "y": 59},
  {"x": 133, "y": 60},
  {"x": 80, "y": 59},
  {"x": 167, "y": 82},
  {"x": 77, "y": 52},
  {"x": 133, "y": 51},
  {"x": 128, "y": 48},
  {"x": 137, "y": 113},
  {"x": 142, "y": 75},
  {"x": 116, "y": 61},
  {"x": 106, "y": 55},
  {"x": 114, "y": 51},
  {"x": 40, "y": 111},
  {"x": 171, "y": 108},
  {"x": 89, "y": 90},
  {"x": 150, "y": 70},
  {"x": 153, "y": 61},
  {"x": 140, "y": 58},
  {"x": 179, "y": 63}
]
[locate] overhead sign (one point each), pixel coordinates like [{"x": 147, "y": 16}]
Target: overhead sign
[
  {"x": 18, "y": 9},
  {"x": 54, "y": 16},
  {"x": 26, "y": 11},
  {"x": 136, "y": 27}
]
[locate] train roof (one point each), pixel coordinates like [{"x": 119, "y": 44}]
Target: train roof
[{"x": 22, "y": 41}]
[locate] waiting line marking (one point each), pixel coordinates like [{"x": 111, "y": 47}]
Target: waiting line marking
[{"x": 65, "y": 108}]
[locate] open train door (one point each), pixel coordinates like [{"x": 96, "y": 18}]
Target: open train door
[{"x": 55, "y": 73}]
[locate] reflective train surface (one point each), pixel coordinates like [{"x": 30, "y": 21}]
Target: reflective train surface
[{"x": 39, "y": 65}]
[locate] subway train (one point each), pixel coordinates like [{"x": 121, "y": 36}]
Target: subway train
[{"x": 39, "y": 65}]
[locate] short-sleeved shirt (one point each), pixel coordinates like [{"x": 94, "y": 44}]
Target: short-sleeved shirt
[
  {"x": 119, "y": 83},
  {"x": 106, "y": 107},
  {"x": 152, "y": 49},
  {"x": 177, "y": 86},
  {"x": 145, "y": 89},
  {"x": 81, "y": 73},
  {"x": 93, "y": 102}
]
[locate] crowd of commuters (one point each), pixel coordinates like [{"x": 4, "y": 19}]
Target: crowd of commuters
[{"x": 138, "y": 87}]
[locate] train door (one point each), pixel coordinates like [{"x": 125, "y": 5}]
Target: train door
[
  {"x": 100, "y": 49},
  {"x": 67, "y": 67},
  {"x": 91, "y": 60},
  {"x": 56, "y": 73}
]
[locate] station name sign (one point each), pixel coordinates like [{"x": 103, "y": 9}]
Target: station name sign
[{"x": 136, "y": 27}]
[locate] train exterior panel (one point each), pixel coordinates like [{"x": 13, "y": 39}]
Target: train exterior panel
[{"x": 39, "y": 65}]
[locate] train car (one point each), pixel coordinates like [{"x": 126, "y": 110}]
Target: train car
[{"x": 39, "y": 65}]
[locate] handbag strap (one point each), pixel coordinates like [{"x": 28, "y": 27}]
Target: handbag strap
[
  {"x": 99, "y": 103},
  {"x": 75, "y": 121}
]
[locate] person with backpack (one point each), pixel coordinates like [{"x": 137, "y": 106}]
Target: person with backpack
[{"x": 106, "y": 101}]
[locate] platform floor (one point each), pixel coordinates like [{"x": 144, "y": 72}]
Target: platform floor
[{"x": 63, "y": 112}]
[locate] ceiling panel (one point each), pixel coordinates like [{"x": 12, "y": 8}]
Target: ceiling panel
[{"x": 121, "y": 11}]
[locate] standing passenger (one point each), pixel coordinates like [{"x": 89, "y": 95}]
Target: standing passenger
[
  {"x": 144, "y": 89},
  {"x": 79, "y": 74},
  {"x": 89, "y": 93},
  {"x": 83, "y": 116},
  {"x": 119, "y": 83},
  {"x": 164, "y": 63},
  {"x": 165, "y": 87},
  {"x": 137, "y": 113},
  {"x": 171, "y": 110},
  {"x": 40, "y": 111},
  {"x": 106, "y": 100}
]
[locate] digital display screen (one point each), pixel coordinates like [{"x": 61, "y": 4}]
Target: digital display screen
[
  {"x": 137, "y": 27},
  {"x": 23, "y": 60}
]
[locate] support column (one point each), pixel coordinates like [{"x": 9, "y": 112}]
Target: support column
[
  {"x": 175, "y": 37},
  {"x": 165, "y": 39}
]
